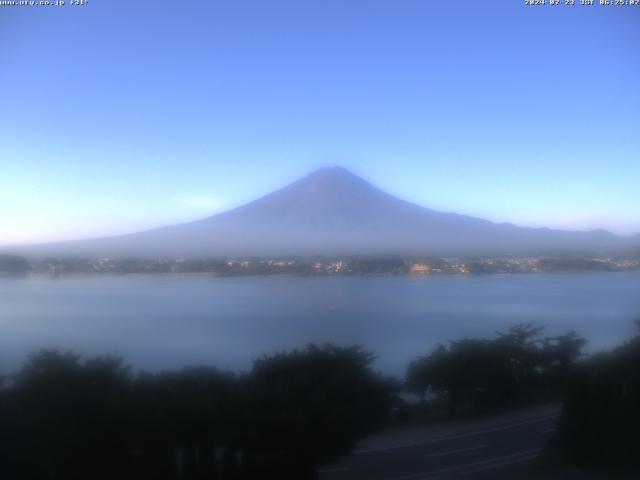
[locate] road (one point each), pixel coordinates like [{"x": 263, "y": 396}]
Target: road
[{"x": 498, "y": 447}]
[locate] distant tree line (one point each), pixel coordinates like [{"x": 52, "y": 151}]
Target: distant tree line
[
  {"x": 13, "y": 264},
  {"x": 561, "y": 264},
  {"x": 321, "y": 265}
]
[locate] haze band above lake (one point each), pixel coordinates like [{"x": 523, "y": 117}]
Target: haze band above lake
[{"x": 161, "y": 321}]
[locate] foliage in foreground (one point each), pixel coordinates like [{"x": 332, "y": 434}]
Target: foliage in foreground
[
  {"x": 69, "y": 418},
  {"x": 601, "y": 414},
  {"x": 476, "y": 374},
  {"x": 65, "y": 417}
]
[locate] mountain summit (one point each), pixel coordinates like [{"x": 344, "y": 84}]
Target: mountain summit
[{"x": 333, "y": 211}]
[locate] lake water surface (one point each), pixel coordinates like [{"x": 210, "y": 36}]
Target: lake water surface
[{"x": 159, "y": 322}]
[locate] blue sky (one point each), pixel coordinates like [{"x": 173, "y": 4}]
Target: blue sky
[{"x": 119, "y": 116}]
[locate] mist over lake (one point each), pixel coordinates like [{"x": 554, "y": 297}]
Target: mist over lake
[{"x": 168, "y": 321}]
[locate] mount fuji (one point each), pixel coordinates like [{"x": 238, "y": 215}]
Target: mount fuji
[{"x": 333, "y": 211}]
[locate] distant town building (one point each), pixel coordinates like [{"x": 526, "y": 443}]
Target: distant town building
[{"x": 420, "y": 268}]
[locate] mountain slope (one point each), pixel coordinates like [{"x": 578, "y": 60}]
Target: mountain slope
[{"x": 332, "y": 211}]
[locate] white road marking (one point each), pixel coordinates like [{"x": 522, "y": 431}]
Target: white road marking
[
  {"x": 452, "y": 452},
  {"x": 457, "y": 436},
  {"x": 469, "y": 468},
  {"x": 490, "y": 464},
  {"x": 334, "y": 469}
]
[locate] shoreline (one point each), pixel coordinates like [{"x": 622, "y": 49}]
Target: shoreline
[{"x": 6, "y": 275}]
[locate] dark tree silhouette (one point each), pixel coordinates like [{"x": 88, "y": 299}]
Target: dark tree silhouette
[
  {"x": 601, "y": 414},
  {"x": 312, "y": 406},
  {"x": 186, "y": 421},
  {"x": 482, "y": 374},
  {"x": 65, "y": 418}
]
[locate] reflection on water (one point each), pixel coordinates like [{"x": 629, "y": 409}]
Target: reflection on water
[{"x": 160, "y": 322}]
